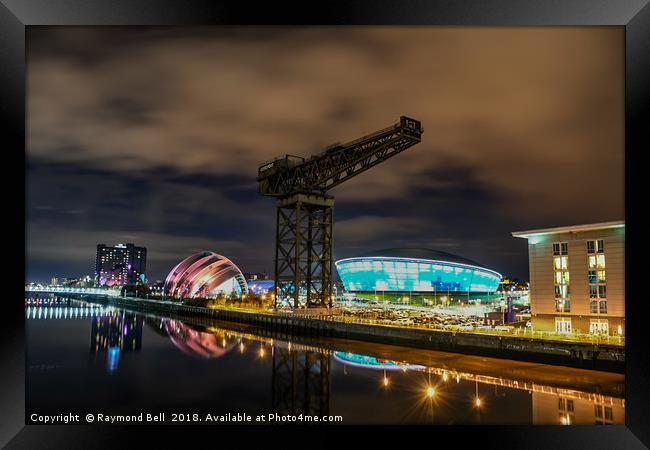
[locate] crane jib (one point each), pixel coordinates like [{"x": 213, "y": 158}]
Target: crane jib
[
  {"x": 290, "y": 174},
  {"x": 305, "y": 219}
]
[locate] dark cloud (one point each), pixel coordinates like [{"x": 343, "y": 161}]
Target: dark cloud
[{"x": 161, "y": 130}]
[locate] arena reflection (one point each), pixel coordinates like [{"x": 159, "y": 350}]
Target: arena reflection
[
  {"x": 301, "y": 379},
  {"x": 302, "y": 372},
  {"x": 198, "y": 343}
]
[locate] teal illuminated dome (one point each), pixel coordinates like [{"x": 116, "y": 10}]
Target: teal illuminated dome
[{"x": 415, "y": 270}]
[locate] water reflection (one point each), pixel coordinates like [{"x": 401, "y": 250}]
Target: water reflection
[
  {"x": 372, "y": 363},
  {"x": 114, "y": 333},
  {"x": 198, "y": 343},
  {"x": 365, "y": 383},
  {"x": 300, "y": 381}
]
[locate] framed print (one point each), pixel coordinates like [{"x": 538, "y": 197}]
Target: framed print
[{"x": 272, "y": 219}]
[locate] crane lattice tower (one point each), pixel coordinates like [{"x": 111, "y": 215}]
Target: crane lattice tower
[{"x": 303, "y": 242}]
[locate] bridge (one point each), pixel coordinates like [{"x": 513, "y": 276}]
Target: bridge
[
  {"x": 66, "y": 312},
  {"x": 72, "y": 290}
]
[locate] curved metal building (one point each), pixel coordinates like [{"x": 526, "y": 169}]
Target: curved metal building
[
  {"x": 415, "y": 270},
  {"x": 204, "y": 274}
]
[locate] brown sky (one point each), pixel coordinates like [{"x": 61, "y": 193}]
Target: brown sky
[{"x": 523, "y": 128}]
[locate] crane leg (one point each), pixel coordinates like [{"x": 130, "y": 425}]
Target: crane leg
[{"x": 303, "y": 251}]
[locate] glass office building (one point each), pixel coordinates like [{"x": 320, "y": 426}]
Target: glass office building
[{"x": 415, "y": 271}]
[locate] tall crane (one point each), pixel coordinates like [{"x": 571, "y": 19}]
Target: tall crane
[{"x": 303, "y": 242}]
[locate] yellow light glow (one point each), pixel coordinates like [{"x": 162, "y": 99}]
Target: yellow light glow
[
  {"x": 385, "y": 381},
  {"x": 477, "y": 402},
  {"x": 431, "y": 392},
  {"x": 262, "y": 352},
  {"x": 444, "y": 376}
]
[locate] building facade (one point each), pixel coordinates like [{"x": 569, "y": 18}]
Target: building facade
[
  {"x": 123, "y": 264},
  {"x": 577, "y": 278},
  {"x": 415, "y": 270},
  {"x": 205, "y": 274}
]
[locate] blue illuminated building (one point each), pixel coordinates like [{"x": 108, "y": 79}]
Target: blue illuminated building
[
  {"x": 416, "y": 271},
  {"x": 370, "y": 362},
  {"x": 260, "y": 286}
]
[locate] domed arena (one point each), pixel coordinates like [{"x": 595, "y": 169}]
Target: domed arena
[
  {"x": 415, "y": 270},
  {"x": 205, "y": 274}
]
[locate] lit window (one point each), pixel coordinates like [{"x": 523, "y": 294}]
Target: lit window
[
  {"x": 599, "y": 326},
  {"x": 561, "y": 277},
  {"x": 563, "y": 324}
]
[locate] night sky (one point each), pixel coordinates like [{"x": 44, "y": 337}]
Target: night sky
[{"x": 154, "y": 136}]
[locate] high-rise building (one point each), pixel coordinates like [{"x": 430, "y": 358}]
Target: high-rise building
[
  {"x": 577, "y": 278},
  {"x": 120, "y": 265}
]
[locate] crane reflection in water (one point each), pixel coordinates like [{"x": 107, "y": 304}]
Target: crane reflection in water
[
  {"x": 301, "y": 381},
  {"x": 301, "y": 374}
]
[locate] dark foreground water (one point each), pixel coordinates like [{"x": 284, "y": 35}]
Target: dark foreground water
[{"x": 84, "y": 358}]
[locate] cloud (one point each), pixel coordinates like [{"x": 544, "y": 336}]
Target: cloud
[
  {"x": 520, "y": 104},
  {"x": 162, "y": 130},
  {"x": 77, "y": 247},
  {"x": 367, "y": 228}
]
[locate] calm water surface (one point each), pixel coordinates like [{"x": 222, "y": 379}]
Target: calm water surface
[{"x": 88, "y": 358}]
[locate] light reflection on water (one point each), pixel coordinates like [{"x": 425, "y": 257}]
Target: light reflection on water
[{"x": 152, "y": 362}]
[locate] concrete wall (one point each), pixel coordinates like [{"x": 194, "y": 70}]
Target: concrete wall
[{"x": 583, "y": 355}]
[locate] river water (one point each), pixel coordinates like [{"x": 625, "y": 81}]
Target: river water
[{"x": 86, "y": 358}]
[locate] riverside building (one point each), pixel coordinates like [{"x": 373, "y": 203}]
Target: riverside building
[{"x": 577, "y": 278}]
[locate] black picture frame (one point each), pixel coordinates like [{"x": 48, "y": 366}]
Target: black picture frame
[{"x": 634, "y": 15}]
